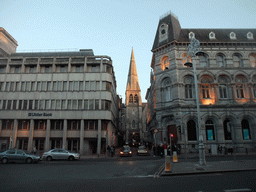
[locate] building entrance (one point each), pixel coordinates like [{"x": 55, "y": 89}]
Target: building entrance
[{"x": 172, "y": 129}]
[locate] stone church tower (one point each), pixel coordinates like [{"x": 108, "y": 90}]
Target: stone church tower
[{"x": 133, "y": 110}]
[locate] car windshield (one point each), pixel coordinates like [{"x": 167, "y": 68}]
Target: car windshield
[
  {"x": 141, "y": 147},
  {"x": 126, "y": 148}
]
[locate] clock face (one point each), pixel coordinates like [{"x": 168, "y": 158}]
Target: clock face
[{"x": 163, "y": 31}]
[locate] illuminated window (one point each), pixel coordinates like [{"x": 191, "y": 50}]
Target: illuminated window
[
  {"x": 136, "y": 98},
  {"x": 223, "y": 86},
  {"x": 165, "y": 63},
  {"x": 239, "y": 91},
  {"x": 206, "y": 91},
  {"x": 209, "y": 127}
]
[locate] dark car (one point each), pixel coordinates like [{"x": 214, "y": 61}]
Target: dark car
[
  {"x": 142, "y": 150},
  {"x": 15, "y": 155},
  {"x": 125, "y": 151}
]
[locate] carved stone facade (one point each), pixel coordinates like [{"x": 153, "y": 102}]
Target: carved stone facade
[{"x": 226, "y": 77}]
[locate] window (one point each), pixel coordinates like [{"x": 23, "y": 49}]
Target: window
[
  {"x": 25, "y": 105},
  {"x": 97, "y": 104},
  {"x": 56, "y": 143},
  {"x": 252, "y": 59},
  {"x": 188, "y": 91},
  {"x": 91, "y": 104},
  {"x": 41, "y": 104},
  {"x": 54, "y": 86},
  {"x": 76, "y": 86},
  {"x": 7, "y": 86},
  {"x": 39, "y": 144},
  {"x": 206, "y": 91},
  {"x": 97, "y": 85},
  {"x": 14, "y": 104},
  {"x": 48, "y": 85},
  {"x": 36, "y": 104},
  {"x": 30, "y": 68},
  {"x": 106, "y": 86},
  {"x": 70, "y": 85},
  {"x": 220, "y": 60},
  {"x": 63, "y": 104},
  {"x": 74, "y": 124},
  {"x": 237, "y": 60},
  {"x": 2, "y": 69},
  {"x": 4, "y": 104},
  {"x": 166, "y": 88},
  {"x": 59, "y": 85},
  {"x": 93, "y": 68},
  {"x": 80, "y": 104},
  {"x": 104, "y": 125},
  {"x": 62, "y": 68},
  {"x": 246, "y": 129},
  {"x": 92, "y": 85},
  {"x": 209, "y": 127},
  {"x": 74, "y": 106},
  {"x": 130, "y": 98},
  {"x": 28, "y": 86},
  {"x": 239, "y": 91},
  {"x": 40, "y": 124},
  {"x": 81, "y": 85},
  {"x": 7, "y": 124},
  {"x": 12, "y": 86},
  {"x": 58, "y": 106},
  {"x": 69, "y": 104},
  {"x": 91, "y": 124},
  {"x": 38, "y": 86},
  {"x": 44, "y": 86},
  {"x": 2, "y": 86},
  {"x": 23, "y": 124},
  {"x": 9, "y": 104},
  {"x": 203, "y": 60},
  {"x": 86, "y": 104},
  {"x": 22, "y": 144},
  {"x": 33, "y": 86},
  {"x": 105, "y": 105},
  {"x": 87, "y": 86},
  {"x": 47, "y": 68},
  {"x": 53, "y": 104},
  {"x": 165, "y": 63},
  {"x": 57, "y": 124},
  {"x": 74, "y": 145},
  {"x": 223, "y": 87},
  {"x": 191, "y": 129},
  {"x": 47, "y": 104},
  {"x": 223, "y": 91},
  {"x": 17, "y": 87},
  {"x": 65, "y": 86},
  {"x": 136, "y": 99},
  {"x": 227, "y": 129},
  {"x": 30, "y": 104}
]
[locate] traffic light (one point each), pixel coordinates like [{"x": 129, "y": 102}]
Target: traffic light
[{"x": 171, "y": 135}]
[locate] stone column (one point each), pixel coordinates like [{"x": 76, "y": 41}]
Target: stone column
[
  {"x": 220, "y": 138},
  {"x": 31, "y": 136},
  {"x": 64, "y": 138},
  {"x": 238, "y": 136},
  {"x": 47, "y": 137},
  {"x": 14, "y": 133},
  {"x": 99, "y": 138},
  {"x": 82, "y": 137}
]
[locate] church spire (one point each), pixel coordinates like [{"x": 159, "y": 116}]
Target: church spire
[{"x": 133, "y": 87}]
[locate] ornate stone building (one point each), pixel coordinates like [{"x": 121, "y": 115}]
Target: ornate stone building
[
  {"x": 226, "y": 79},
  {"x": 135, "y": 123}
]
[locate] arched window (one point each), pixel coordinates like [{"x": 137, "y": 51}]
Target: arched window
[
  {"x": 203, "y": 60},
  {"x": 252, "y": 59},
  {"x": 240, "y": 80},
  {"x": 223, "y": 87},
  {"x": 130, "y": 98},
  {"x": 165, "y": 63},
  {"x": 246, "y": 129},
  {"x": 191, "y": 129},
  {"x": 237, "y": 60},
  {"x": 189, "y": 87},
  {"x": 221, "y": 60},
  {"x": 136, "y": 98},
  {"x": 166, "y": 89},
  {"x": 133, "y": 124},
  {"x": 209, "y": 127},
  {"x": 206, "y": 82},
  {"x": 227, "y": 129}
]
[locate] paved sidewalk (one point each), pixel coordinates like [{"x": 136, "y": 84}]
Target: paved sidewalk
[{"x": 188, "y": 168}]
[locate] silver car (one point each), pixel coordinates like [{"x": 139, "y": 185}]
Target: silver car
[
  {"x": 15, "y": 155},
  {"x": 60, "y": 154}
]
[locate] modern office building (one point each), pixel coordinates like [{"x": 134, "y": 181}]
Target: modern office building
[
  {"x": 56, "y": 99},
  {"x": 226, "y": 80}
]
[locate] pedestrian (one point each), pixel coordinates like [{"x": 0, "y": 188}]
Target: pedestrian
[
  {"x": 34, "y": 150},
  {"x": 112, "y": 151},
  {"x": 108, "y": 150}
]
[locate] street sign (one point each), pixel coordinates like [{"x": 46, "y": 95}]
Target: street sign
[{"x": 155, "y": 130}]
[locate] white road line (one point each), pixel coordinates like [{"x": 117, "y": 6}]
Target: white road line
[{"x": 237, "y": 190}]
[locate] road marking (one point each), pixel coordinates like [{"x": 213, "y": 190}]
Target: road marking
[{"x": 237, "y": 190}]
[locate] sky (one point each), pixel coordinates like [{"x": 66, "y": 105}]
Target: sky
[{"x": 114, "y": 27}]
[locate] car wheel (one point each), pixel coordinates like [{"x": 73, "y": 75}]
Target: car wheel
[
  {"x": 28, "y": 160},
  {"x": 70, "y": 158},
  {"x": 4, "y": 160},
  {"x": 49, "y": 158}
]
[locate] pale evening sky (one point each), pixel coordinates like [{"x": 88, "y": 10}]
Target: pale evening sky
[{"x": 113, "y": 27}]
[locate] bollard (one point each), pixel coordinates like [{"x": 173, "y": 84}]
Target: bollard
[
  {"x": 175, "y": 157},
  {"x": 168, "y": 167}
]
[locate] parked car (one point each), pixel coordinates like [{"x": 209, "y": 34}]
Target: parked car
[
  {"x": 142, "y": 150},
  {"x": 125, "y": 151},
  {"x": 16, "y": 155},
  {"x": 60, "y": 154}
]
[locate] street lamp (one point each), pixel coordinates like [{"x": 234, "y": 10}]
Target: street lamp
[{"x": 193, "y": 50}]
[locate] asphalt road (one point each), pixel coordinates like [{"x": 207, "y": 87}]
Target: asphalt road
[{"x": 121, "y": 175}]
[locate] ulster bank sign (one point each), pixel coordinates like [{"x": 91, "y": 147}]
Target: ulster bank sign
[{"x": 39, "y": 114}]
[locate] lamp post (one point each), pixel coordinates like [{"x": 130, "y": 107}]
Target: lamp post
[{"x": 193, "y": 49}]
